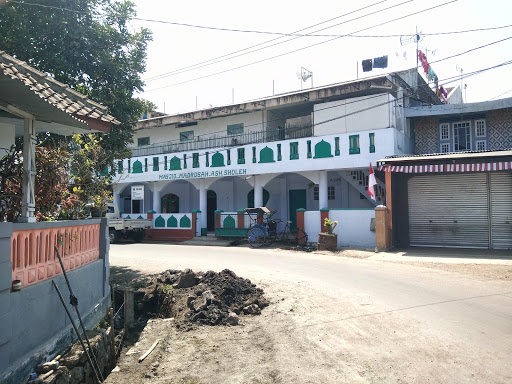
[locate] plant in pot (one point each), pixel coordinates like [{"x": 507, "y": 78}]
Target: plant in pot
[{"x": 328, "y": 241}]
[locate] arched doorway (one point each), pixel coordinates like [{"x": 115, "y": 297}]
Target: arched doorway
[
  {"x": 250, "y": 198},
  {"x": 211, "y": 207},
  {"x": 170, "y": 203}
]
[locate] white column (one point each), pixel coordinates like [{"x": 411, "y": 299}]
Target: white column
[
  {"x": 117, "y": 201},
  {"x": 322, "y": 191},
  {"x": 28, "y": 203},
  {"x": 258, "y": 192},
  {"x": 157, "y": 203},
  {"x": 202, "y": 203}
]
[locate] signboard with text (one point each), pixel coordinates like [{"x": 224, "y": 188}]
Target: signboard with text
[{"x": 138, "y": 192}]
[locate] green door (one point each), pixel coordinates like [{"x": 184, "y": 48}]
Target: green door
[{"x": 297, "y": 198}]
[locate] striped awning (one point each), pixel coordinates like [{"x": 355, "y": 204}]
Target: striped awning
[{"x": 443, "y": 168}]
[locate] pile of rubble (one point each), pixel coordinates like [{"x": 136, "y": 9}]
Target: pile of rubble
[{"x": 205, "y": 298}]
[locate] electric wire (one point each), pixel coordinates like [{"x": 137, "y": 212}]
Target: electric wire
[{"x": 297, "y": 50}]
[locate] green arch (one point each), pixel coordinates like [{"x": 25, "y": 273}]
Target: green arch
[
  {"x": 185, "y": 222},
  {"x": 218, "y": 160},
  {"x": 159, "y": 222},
  {"x": 175, "y": 164},
  {"x": 322, "y": 150},
  {"x": 172, "y": 222},
  {"x": 266, "y": 155},
  {"x": 137, "y": 167},
  {"x": 229, "y": 222}
]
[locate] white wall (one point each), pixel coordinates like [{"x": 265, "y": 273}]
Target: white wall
[
  {"x": 384, "y": 146},
  {"x": 353, "y": 227},
  {"x": 378, "y": 117},
  {"x": 217, "y": 126},
  {"x": 312, "y": 224},
  {"x": 7, "y": 132}
]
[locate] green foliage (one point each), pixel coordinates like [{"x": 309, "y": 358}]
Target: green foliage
[
  {"x": 89, "y": 46},
  {"x": 89, "y": 161},
  {"x": 330, "y": 225},
  {"x": 11, "y": 173}
]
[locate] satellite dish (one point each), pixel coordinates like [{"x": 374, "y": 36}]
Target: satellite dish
[{"x": 305, "y": 75}]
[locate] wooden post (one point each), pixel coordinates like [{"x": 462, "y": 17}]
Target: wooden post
[{"x": 129, "y": 316}]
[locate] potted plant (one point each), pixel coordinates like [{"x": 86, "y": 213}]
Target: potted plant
[{"x": 328, "y": 241}]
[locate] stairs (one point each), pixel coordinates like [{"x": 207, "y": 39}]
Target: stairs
[{"x": 359, "y": 180}]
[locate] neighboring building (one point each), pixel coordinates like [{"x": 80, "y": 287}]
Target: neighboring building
[
  {"x": 33, "y": 323},
  {"x": 309, "y": 149},
  {"x": 456, "y": 191}
]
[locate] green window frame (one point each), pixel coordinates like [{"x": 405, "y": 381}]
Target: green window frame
[
  {"x": 195, "y": 160},
  {"x": 354, "y": 145},
  {"x": 146, "y": 164},
  {"x": 120, "y": 167},
  {"x": 336, "y": 146},
  {"x": 228, "y": 153},
  {"x": 294, "y": 150},
  {"x": 253, "y": 154},
  {"x": 241, "y": 155},
  {"x": 155, "y": 164},
  {"x": 165, "y": 163},
  {"x": 187, "y": 136},
  {"x": 279, "y": 157},
  {"x": 184, "y": 161},
  {"x": 235, "y": 129},
  {"x": 372, "y": 142},
  {"x": 142, "y": 141},
  {"x": 207, "y": 154},
  {"x": 129, "y": 166},
  {"x": 309, "y": 149}
]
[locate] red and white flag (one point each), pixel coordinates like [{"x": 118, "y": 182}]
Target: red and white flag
[{"x": 371, "y": 183}]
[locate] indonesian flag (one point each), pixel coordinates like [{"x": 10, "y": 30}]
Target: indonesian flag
[{"x": 371, "y": 183}]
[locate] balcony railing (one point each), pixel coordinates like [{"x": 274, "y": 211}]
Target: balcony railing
[{"x": 288, "y": 132}]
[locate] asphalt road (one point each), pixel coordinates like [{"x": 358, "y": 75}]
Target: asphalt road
[{"x": 465, "y": 309}]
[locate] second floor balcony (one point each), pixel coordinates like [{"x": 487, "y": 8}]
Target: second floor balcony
[{"x": 207, "y": 141}]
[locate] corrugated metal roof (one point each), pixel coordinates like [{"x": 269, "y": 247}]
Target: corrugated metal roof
[
  {"x": 54, "y": 92},
  {"x": 444, "y": 156}
]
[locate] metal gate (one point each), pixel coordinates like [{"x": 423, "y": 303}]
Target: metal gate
[
  {"x": 449, "y": 210},
  {"x": 501, "y": 210}
]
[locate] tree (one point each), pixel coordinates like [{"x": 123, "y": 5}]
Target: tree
[{"x": 88, "y": 45}]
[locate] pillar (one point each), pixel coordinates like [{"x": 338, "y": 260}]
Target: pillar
[
  {"x": 157, "y": 203},
  {"x": 324, "y": 214},
  {"x": 382, "y": 234},
  {"x": 117, "y": 201},
  {"x": 258, "y": 192},
  {"x": 28, "y": 202},
  {"x": 203, "y": 206},
  {"x": 301, "y": 224},
  {"x": 322, "y": 191},
  {"x": 389, "y": 219}
]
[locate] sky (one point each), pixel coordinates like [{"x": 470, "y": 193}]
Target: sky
[{"x": 192, "y": 68}]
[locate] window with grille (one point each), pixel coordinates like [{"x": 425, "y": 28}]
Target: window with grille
[
  {"x": 461, "y": 136},
  {"x": 480, "y": 128},
  {"x": 445, "y": 131},
  {"x": 445, "y": 147},
  {"x": 155, "y": 164},
  {"x": 187, "y": 136},
  {"x": 241, "y": 155},
  {"x": 354, "y": 144},
  {"x": 480, "y": 145},
  {"x": 141, "y": 141},
  {"x": 372, "y": 142},
  {"x": 235, "y": 129},
  {"x": 331, "y": 192},
  {"x": 294, "y": 151},
  {"x": 195, "y": 160}
]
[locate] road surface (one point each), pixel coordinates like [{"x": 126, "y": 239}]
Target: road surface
[{"x": 381, "y": 322}]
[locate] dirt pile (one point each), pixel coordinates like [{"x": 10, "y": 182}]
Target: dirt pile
[{"x": 204, "y": 298}]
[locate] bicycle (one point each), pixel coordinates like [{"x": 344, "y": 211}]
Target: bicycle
[{"x": 263, "y": 230}]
